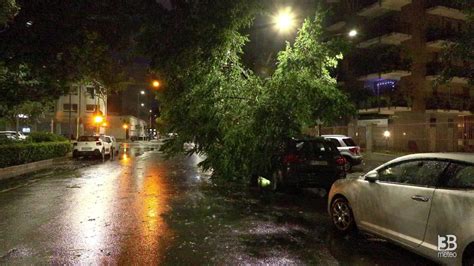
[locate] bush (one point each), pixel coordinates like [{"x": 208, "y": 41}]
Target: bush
[
  {"x": 21, "y": 153},
  {"x": 45, "y": 137}
]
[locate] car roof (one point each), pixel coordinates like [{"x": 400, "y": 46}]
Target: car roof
[
  {"x": 308, "y": 138},
  {"x": 335, "y": 136},
  {"x": 454, "y": 156}
]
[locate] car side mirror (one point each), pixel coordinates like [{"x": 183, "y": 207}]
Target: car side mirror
[{"x": 372, "y": 177}]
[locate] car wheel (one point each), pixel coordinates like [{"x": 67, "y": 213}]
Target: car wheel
[{"x": 342, "y": 217}]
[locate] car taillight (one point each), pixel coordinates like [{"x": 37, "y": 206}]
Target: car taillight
[
  {"x": 291, "y": 158},
  {"x": 340, "y": 160},
  {"x": 98, "y": 143},
  {"x": 354, "y": 150}
]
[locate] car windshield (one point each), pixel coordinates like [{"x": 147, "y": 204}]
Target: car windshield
[
  {"x": 349, "y": 142},
  {"x": 88, "y": 138}
]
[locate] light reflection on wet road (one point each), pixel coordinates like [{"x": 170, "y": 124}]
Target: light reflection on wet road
[{"x": 110, "y": 212}]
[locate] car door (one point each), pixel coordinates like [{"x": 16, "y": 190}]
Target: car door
[
  {"x": 402, "y": 198},
  {"x": 451, "y": 212}
]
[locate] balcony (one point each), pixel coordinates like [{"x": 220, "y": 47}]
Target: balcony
[
  {"x": 459, "y": 74},
  {"x": 375, "y": 8},
  {"x": 385, "y": 30},
  {"x": 335, "y": 21},
  {"x": 438, "y": 39},
  {"x": 385, "y": 104},
  {"x": 450, "y": 103},
  {"x": 445, "y": 8},
  {"x": 381, "y": 62}
]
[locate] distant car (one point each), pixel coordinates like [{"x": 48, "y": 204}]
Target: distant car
[
  {"x": 348, "y": 148},
  {"x": 115, "y": 146},
  {"x": 98, "y": 146},
  {"x": 308, "y": 162},
  {"x": 423, "y": 202},
  {"x": 13, "y": 135}
]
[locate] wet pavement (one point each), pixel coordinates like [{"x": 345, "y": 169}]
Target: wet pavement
[{"x": 140, "y": 208}]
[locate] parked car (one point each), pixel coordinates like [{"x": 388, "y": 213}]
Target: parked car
[
  {"x": 423, "y": 202},
  {"x": 13, "y": 135},
  {"x": 348, "y": 148},
  {"x": 98, "y": 146},
  {"x": 115, "y": 146},
  {"x": 308, "y": 162}
]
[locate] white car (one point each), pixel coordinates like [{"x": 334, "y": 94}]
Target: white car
[
  {"x": 115, "y": 146},
  {"x": 348, "y": 148},
  {"x": 423, "y": 202},
  {"x": 98, "y": 146},
  {"x": 13, "y": 135}
]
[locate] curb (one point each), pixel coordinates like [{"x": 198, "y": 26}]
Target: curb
[{"x": 17, "y": 170}]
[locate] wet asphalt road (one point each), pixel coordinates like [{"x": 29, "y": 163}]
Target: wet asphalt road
[{"x": 143, "y": 209}]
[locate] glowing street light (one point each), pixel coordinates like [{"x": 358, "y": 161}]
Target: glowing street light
[
  {"x": 142, "y": 104},
  {"x": 156, "y": 84},
  {"x": 284, "y": 20},
  {"x": 352, "y": 33},
  {"x": 386, "y": 135},
  {"x": 125, "y": 126},
  {"x": 98, "y": 119},
  {"x": 142, "y": 92}
]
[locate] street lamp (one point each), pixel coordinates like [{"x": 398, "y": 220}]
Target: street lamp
[
  {"x": 125, "y": 126},
  {"x": 156, "y": 84},
  {"x": 353, "y": 33},
  {"x": 142, "y": 92},
  {"x": 98, "y": 120},
  {"x": 284, "y": 20},
  {"x": 142, "y": 104},
  {"x": 386, "y": 135}
]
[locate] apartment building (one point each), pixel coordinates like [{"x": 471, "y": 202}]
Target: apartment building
[
  {"x": 393, "y": 67},
  {"x": 74, "y": 113}
]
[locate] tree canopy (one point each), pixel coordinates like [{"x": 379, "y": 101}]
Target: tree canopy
[
  {"x": 236, "y": 119},
  {"x": 51, "y": 44}
]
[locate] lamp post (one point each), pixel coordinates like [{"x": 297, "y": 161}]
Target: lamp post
[{"x": 125, "y": 126}]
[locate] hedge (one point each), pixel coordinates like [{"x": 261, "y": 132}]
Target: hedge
[
  {"x": 21, "y": 153},
  {"x": 40, "y": 136}
]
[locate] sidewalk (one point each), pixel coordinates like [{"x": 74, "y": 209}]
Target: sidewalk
[{"x": 22, "y": 169}]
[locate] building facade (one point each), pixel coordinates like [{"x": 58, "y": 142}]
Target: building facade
[
  {"x": 394, "y": 65},
  {"x": 127, "y": 127},
  {"x": 74, "y": 114}
]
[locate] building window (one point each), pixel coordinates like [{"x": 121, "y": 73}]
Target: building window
[
  {"x": 90, "y": 107},
  {"x": 67, "y": 107},
  {"x": 91, "y": 92},
  {"x": 450, "y": 123},
  {"x": 74, "y": 90}
]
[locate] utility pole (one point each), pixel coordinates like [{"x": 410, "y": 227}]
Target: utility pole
[{"x": 70, "y": 114}]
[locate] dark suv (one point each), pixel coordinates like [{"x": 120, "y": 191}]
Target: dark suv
[{"x": 308, "y": 162}]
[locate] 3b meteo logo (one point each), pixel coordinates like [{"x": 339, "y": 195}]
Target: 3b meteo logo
[{"x": 447, "y": 246}]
